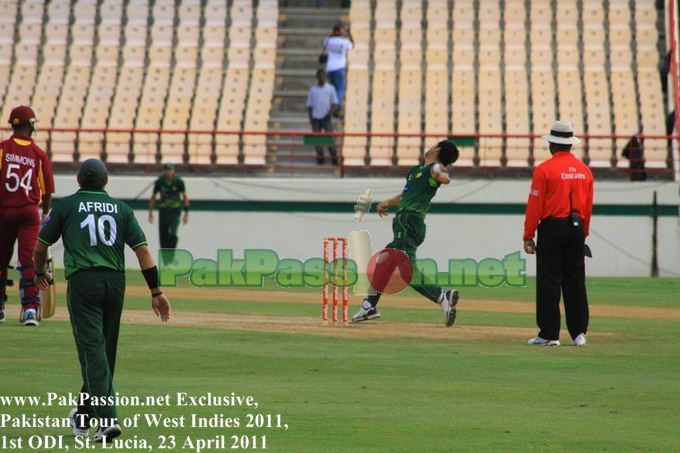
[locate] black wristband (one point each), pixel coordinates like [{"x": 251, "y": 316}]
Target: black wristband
[
  {"x": 156, "y": 294},
  {"x": 151, "y": 277},
  {"x": 40, "y": 274},
  {"x": 186, "y": 208}
]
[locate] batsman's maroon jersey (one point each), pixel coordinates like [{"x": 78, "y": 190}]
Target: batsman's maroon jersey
[{"x": 25, "y": 173}]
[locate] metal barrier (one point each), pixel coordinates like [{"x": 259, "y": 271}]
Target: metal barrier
[{"x": 295, "y": 152}]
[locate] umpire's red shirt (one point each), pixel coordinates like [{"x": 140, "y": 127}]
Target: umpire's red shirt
[
  {"x": 555, "y": 180},
  {"x": 25, "y": 173}
]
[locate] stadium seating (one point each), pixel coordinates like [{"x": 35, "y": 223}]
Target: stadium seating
[
  {"x": 207, "y": 95},
  {"x": 514, "y": 76},
  {"x": 516, "y": 83},
  {"x": 145, "y": 66},
  {"x": 356, "y": 100},
  {"x": 130, "y": 82},
  {"x": 443, "y": 67},
  {"x": 384, "y": 83},
  {"x": 410, "y": 84},
  {"x": 262, "y": 83}
]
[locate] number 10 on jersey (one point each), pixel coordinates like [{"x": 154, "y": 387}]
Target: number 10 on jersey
[{"x": 97, "y": 228}]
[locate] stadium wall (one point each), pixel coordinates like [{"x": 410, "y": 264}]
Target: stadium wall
[{"x": 470, "y": 219}]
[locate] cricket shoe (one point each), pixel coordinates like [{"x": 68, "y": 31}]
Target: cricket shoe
[
  {"x": 367, "y": 312},
  {"x": 538, "y": 341},
  {"x": 30, "y": 317},
  {"x": 580, "y": 340},
  {"x": 78, "y": 428},
  {"x": 448, "y": 302},
  {"x": 109, "y": 433},
  {"x": 2, "y": 314}
]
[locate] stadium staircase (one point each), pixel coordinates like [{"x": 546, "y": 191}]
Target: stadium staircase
[{"x": 302, "y": 29}]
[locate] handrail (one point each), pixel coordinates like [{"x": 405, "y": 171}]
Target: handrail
[
  {"x": 674, "y": 63},
  {"x": 288, "y": 133}
]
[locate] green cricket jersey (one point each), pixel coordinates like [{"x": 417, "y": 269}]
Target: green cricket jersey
[
  {"x": 170, "y": 192},
  {"x": 419, "y": 190},
  {"x": 94, "y": 228}
]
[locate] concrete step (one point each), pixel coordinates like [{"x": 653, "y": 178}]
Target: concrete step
[
  {"x": 304, "y": 31},
  {"x": 321, "y": 19},
  {"x": 295, "y": 84},
  {"x": 310, "y": 4},
  {"x": 298, "y": 82},
  {"x": 300, "y": 38},
  {"x": 288, "y": 106},
  {"x": 299, "y": 72},
  {"x": 302, "y": 153},
  {"x": 327, "y": 10},
  {"x": 300, "y": 94},
  {"x": 289, "y": 123},
  {"x": 296, "y": 52},
  {"x": 309, "y": 61},
  {"x": 284, "y": 102}
]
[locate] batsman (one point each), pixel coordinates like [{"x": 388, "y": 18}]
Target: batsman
[
  {"x": 408, "y": 227},
  {"x": 25, "y": 183},
  {"x": 95, "y": 229}
]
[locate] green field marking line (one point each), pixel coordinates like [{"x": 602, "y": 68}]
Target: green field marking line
[{"x": 633, "y": 210}]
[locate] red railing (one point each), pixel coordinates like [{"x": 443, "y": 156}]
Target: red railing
[
  {"x": 293, "y": 152},
  {"x": 673, "y": 45}
]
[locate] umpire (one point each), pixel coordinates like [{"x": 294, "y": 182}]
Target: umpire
[
  {"x": 95, "y": 229},
  {"x": 173, "y": 196},
  {"x": 560, "y": 204}
]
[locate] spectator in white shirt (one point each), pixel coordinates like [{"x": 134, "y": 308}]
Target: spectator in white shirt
[
  {"x": 337, "y": 46},
  {"x": 322, "y": 101}
]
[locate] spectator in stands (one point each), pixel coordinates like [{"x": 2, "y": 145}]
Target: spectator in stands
[
  {"x": 322, "y": 101},
  {"x": 634, "y": 151},
  {"x": 336, "y": 46}
]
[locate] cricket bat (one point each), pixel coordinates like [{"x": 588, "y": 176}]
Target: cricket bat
[{"x": 48, "y": 298}]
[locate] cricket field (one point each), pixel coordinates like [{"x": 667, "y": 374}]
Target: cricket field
[{"x": 403, "y": 383}]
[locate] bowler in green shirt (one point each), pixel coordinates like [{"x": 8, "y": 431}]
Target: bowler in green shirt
[{"x": 408, "y": 226}]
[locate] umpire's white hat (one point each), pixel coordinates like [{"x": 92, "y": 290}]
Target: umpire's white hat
[{"x": 562, "y": 133}]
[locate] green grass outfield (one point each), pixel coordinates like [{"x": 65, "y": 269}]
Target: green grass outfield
[{"x": 342, "y": 393}]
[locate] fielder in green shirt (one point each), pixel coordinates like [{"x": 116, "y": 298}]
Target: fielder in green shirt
[
  {"x": 408, "y": 227},
  {"x": 173, "y": 197},
  {"x": 95, "y": 229}
]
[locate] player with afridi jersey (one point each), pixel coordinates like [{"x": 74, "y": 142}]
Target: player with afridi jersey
[
  {"x": 95, "y": 229},
  {"x": 408, "y": 226}
]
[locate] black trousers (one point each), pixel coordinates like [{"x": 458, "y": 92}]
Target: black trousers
[
  {"x": 168, "y": 224},
  {"x": 324, "y": 124},
  {"x": 560, "y": 268}
]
